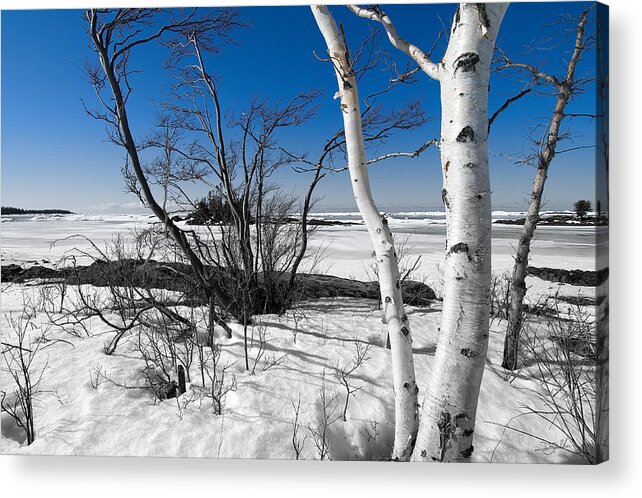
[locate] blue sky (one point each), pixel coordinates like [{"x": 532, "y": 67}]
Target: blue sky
[{"x": 54, "y": 155}]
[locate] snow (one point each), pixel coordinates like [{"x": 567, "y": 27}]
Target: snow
[{"x": 73, "y": 418}]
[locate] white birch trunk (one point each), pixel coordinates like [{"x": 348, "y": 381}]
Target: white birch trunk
[
  {"x": 403, "y": 371},
  {"x": 450, "y": 405}
]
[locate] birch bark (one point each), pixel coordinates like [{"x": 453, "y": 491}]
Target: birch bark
[
  {"x": 403, "y": 371},
  {"x": 450, "y": 405}
]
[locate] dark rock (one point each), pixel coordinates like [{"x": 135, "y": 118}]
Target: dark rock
[
  {"x": 559, "y": 220},
  {"x": 417, "y": 293},
  {"x": 288, "y": 220},
  {"x": 10, "y": 273},
  {"x": 586, "y": 278},
  {"x": 316, "y": 286},
  {"x": 317, "y": 222},
  {"x": 331, "y": 223},
  {"x": 179, "y": 277}
]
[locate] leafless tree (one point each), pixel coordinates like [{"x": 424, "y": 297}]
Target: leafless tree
[
  {"x": 258, "y": 247},
  {"x": 240, "y": 266},
  {"x": 344, "y": 373},
  {"x": 447, "y": 418},
  {"x": 114, "y": 35},
  {"x": 297, "y": 443},
  {"x": 327, "y": 406},
  {"x": 565, "y": 88},
  {"x": 19, "y": 351},
  {"x": 248, "y": 265},
  {"x": 221, "y": 380},
  {"x": 356, "y": 138}
]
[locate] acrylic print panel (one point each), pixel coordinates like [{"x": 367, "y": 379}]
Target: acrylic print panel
[{"x": 307, "y": 233}]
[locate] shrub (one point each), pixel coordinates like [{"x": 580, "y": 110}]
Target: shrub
[{"x": 212, "y": 209}]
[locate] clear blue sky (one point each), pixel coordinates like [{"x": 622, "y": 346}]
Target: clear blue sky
[{"x": 55, "y": 156}]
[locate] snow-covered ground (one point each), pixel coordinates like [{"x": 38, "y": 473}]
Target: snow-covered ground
[{"x": 74, "y": 417}]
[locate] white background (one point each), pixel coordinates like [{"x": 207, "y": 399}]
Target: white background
[{"x": 119, "y": 477}]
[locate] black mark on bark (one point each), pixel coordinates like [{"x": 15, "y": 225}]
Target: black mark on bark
[
  {"x": 446, "y": 432},
  {"x": 459, "y": 247},
  {"x": 466, "y": 135},
  {"x": 410, "y": 386},
  {"x": 469, "y": 353},
  {"x": 466, "y": 62},
  {"x": 467, "y": 452},
  {"x": 444, "y": 198},
  {"x": 460, "y": 416},
  {"x": 483, "y": 16}
]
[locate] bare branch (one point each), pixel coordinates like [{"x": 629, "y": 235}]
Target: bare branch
[
  {"x": 506, "y": 104},
  {"x": 374, "y": 13},
  {"x": 392, "y": 155},
  {"x": 536, "y": 73},
  {"x": 415, "y": 153}
]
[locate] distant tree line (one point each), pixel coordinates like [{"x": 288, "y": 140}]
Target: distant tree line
[{"x": 14, "y": 210}]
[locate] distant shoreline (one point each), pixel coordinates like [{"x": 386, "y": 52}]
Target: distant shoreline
[
  {"x": 17, "y": 211},
  {"x": 333, "y": 218},
  {"x": 558, "y": 220}
]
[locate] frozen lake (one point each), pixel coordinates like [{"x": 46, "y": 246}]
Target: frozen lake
[
  {"x": 46, "y": 240},
  {"x": 346, "y": 250}
]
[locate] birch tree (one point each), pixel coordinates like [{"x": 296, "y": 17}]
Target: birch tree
[
  {"x": 449, "y": 409},
  {"x": 405, "y": 387},
  {"x": 565, "y": 88}
]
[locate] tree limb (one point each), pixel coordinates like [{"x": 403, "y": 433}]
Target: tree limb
[
  {"x": 536, "y": 73},
  {"x": 374, "y": 13},
  {"x": 506, "y": 104}
]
